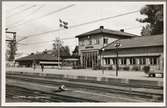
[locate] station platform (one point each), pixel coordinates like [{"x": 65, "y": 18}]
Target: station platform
[
  {"x": 128, "y": 77},
  {"x": 67, "y": 71},
  {"x": 136, "y": 82}
]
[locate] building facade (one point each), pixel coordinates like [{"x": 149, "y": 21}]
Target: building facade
[
  {"x": 90, "y": 44},
  {"x": 135, "y": 53}
]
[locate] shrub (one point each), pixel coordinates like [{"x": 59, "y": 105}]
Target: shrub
[
  {"x": 78, "y": 67},
  {"x": 136, "y": 68},
  {"x": 146, "y": 69},
  {"x": 126, "y": 68},
  {"x": 110, "y": 67},
  {"x": 96, "y": 67}
]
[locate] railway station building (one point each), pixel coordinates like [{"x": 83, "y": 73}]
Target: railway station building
[
  {"x": 47, "y": 58},
  {"x": 30, "y": 60},
  {"x": 135, "y": 53},
  {"x": 91, "y": 43}
]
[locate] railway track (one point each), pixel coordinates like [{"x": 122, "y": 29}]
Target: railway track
[
  {"x": 120, "y": 91},
  {"x": 38, "y": 96}
]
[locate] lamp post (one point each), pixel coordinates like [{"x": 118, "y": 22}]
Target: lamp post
[
  {"x": 117, "y": 45},
  {"x": 101, "y": 29},
  {"x": 103, "y": 61}
]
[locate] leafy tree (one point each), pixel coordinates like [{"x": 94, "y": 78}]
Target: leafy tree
[
  {"x": 67, "y": 50},
  {"x": 58, "y": 46},
  {"x": 154, "y": 18},
  {"x": 76, "y": 52},
  {"x": 11, "y": 51},
  {"x": 146, "y": 31}
]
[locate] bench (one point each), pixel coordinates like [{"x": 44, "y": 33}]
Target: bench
[{"x": 153, "y": 73}]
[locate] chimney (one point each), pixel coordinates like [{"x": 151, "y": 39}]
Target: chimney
[
  {"x": 101, "y": 27},
  {"x": 122, "y": 30}
]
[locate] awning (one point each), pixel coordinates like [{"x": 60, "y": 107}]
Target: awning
[
  {"x": 48, "y": 62},
  {"x": 71, "y": 59}
]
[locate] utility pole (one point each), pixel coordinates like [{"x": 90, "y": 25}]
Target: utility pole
[{"x": 12, "y": 45}]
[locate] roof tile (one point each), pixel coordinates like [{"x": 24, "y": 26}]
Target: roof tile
[
  {"x": 142, "y": 41},
  {"x": 107, "y": 31}
]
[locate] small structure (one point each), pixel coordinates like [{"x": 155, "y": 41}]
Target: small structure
[
  {"x": 71, "y": 61},
  {"x": 43, "y": 59}
]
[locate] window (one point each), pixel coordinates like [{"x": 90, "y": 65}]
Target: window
[
  {"x": 81, "y": 43},
  {"x": 132, "y": 61},
  {"x": 114, "y": 61},
  {"x": 105, "y": 41},
  {"x": 142, "y": 61},
  {"x": 97, "y": 41},
  {"x": 123, "y": 61},
  {"x": 153, "y": 61},
  {"x": 90, "y": 42},
  {"x": 107, "y": 61}
]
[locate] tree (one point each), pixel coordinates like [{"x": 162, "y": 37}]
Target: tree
[
  {"x": 146, "y": 31},
  {"x": 76, "y": 52},
  {"x": 11, "y": 50},
  {"x": 67, "y": 50},
  {"x": 58, "y": 47},
  {"x": 154, "y": 19}
]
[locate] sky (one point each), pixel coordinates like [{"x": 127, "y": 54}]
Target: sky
[{"x": 39, "y": 21}]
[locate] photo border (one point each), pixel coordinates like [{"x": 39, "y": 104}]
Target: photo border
[{"x": 3, "y": 56}]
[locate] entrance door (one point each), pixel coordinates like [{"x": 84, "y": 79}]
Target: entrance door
[{"x": 89, "y": 59}]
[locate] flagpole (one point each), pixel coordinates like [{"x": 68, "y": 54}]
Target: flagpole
[{"x": 64, "y": 25}]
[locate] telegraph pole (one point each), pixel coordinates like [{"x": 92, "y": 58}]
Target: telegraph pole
[{"x": 12, "y": 43}]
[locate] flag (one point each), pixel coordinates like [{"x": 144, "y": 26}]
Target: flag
[{"x": 63, "y": 24}]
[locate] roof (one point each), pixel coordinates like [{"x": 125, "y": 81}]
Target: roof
[
  {"x": 142, "y": 41},
  {"x": 107, "y": 31},
  {"x": 38, "y": 57},
  {"x": 71, "y": 59}
]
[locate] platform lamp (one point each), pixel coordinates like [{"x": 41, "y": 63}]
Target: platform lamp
[
  {"x": 102, "y": 60},
  {"x": 117, "y": 45},
  {"x": 101, "y": 30}
]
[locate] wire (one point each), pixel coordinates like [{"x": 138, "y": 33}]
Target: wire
[
  {"x": 34, "y": 11},
  {"x": 82, "y": 24},
  {"x": 10, "y": 16},
  {"x": 35, "y": 42},
  {"x": 45, "y": 41},
  {"x": 42, "y": 16},
  {"x": 129, "y": 28},
  {"x": 16, "y": 8},
  {"x": 106, "y": 18}
]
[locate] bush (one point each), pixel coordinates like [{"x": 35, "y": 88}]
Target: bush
[
  {"x": 78, "y": 67},
  {"x": 110, "y": 67},
  {"x": 136, "y": 68},
  {"x": 96, "y": 67},
  {"x": 146, "y": 69},
  {"x": 126, "y": 68}
]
